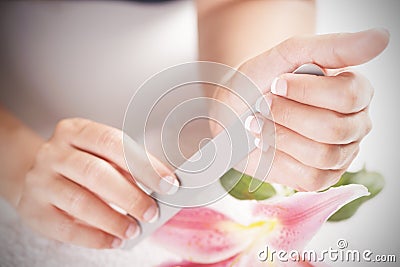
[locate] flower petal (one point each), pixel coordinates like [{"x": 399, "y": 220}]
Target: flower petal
[
  {"x": 300, "y": 216},
  {"x": 211, "y": 238},
  {"x": 203, "y": 235}
]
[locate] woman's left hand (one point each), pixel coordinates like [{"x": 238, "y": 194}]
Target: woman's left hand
[{"x": 317, "y": 122}]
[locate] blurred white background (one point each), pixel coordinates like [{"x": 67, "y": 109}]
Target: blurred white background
[
  {"x": 51, "y": 51},
  {"x": 375, "y": 225}
]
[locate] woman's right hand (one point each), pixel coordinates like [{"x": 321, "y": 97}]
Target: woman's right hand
[{"x": 77, "y": 173}]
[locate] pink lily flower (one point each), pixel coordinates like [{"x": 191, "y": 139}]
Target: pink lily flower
[{"x": 206, "y": 237}]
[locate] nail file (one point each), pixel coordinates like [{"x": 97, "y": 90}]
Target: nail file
[{"x": 199, "y": 175}]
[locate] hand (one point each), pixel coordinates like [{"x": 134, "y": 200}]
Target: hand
[
  {"x": 318, "y": 121},
  {"x": 77, "y": 173}
]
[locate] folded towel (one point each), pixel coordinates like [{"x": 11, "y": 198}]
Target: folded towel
[{"x": 20, "y": 247}]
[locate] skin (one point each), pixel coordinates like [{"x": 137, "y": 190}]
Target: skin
[
  {"x": 64, "y": 184},
  {"x": 311, "y": 132}
]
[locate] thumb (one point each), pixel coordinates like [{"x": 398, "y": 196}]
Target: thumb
[{"x": 336, "y": 50}]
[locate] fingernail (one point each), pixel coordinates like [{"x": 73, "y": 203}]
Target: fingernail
[
  {"x": 253, "y": 124},
  {"x": 279, "y": 86},
  {"x": 263, "y": 105},
  {"x": 151, "y": 214},
  {"x": 132, "y": 231},
  {"x": 169, "y": 185},
  {"x": 117, "y": 242},
  {"x": 259, "y": 145}
]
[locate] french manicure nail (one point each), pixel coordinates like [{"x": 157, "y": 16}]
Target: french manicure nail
[
  {"x": 279, "y": 86},
  {"x": 169, "y": 185},
  {"x": 259, "y": 145},
  {"x": 151, "y": 214},
  {"x": 132, "y": 231},
  {"x": 254, "y": 124}
]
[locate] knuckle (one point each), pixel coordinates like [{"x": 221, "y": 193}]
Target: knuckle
[
  {"x": 78, "y": 201},
  {"x": 65, "y": 126},
  {"x": 342, "y": 155},
  {"x": 333, "y": 156},
  {"x": 92, "y": 171},
  {"x": 338, "y": 129},
  {"x": 69, "y": 126},
  {"x": 292, "y": 42},
  {"x": 110, "y": 139},
  {"x": 354, "y": 155},
  {"x": 327, "y": 154},
  {"x": 367, "y": 87},
  {"x": 317, "y": 180},
  {"x": 368, "y": 125},
  {"x": 329, "y": 178},
  {"x": 351, "y": 95},
  {"x": 285, "y": 50},
  {"x": 357, "y": 94}
]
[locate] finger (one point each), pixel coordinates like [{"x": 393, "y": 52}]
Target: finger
[
  {"x": 321, "y": 125},
  {"x": 329, "y": 51},
  {"x": 102, "y": 179},
  {"x": 148, "y": 170},
  {"x": 288, "y": 171},
  {"x": 304, "y": 150},
  {"x": 344, "y": 93},
  {"x": 107, "y": 142},
  {"x": 84, "y": 205},
  {"x": 54, "y": 223}
]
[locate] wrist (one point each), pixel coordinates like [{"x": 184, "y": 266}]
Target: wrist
[{"x": 18, "y": 149}]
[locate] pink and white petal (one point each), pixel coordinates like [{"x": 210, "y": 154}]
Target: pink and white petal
[
  {"x": 299, "y": 217},
  {"x": 203, "y": 235}
]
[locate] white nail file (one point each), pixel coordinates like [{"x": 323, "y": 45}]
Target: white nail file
[{"x": 199, "y": 179}]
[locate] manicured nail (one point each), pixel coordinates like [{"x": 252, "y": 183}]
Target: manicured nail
[
  {"x": 132, "y": 231},
  {"x": 253, "y": 124},
  {"x": 259, "y": 145},
  {"x": 263, "y": 105},
  {"x": 279, "y": 86},
  {"x": 151, "y": 214},
  {"x": 117, "y": 242},
  {"x": 169, "y": 185}
]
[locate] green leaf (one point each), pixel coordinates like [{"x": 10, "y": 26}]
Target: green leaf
[
  {"x": 372, "y": 180},
  {"x": 238, "y": 185}
]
